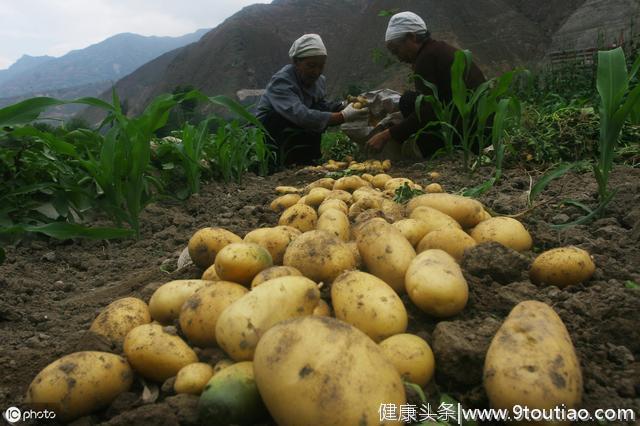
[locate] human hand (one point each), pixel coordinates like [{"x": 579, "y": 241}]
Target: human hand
[
  {"x": 352, "y": 114},
  {"x": 377, "y": 142}
]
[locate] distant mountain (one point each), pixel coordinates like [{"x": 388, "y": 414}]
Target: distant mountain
[{"x": 107, "y": 61}]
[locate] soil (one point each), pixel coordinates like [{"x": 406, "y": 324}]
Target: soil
[{"x": 53, "y": 290}]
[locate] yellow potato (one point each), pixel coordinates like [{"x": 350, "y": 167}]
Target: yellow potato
[
  {"x": 79, "y": 383},
  {"x": 434, "y": 175},
  {"x": 366, "y": 192},
  {"x": 452, "y": 240},
  {"x": 411, "y": 356},
  {"x": 210, "y": 274},
  {"x": 333, "y": 204},
  {"x": 274, "y": 272},
  {"x": 283, "y": 202},
  {"x": 222, "y": 364},
  {"x": 316, "y": 196},
  {"x": 466, "y": 211},
  {"x": 302, "y": 200},
  {"x": 380, "y": 180},
  {"x": 167, "y": 300},
  {"x": 436, "y": 285},
  {"x": 240, "y": 262},
  {"x": 385, "y": 252},
  {"x": 392, "y": 210},
  {"x": 320, "y": 183},
  {"x": 192, "y": 378},
  {"x": 367, "y": 176},
  {"x": 321, "y": 371},
  {"x": 287, "y": 190},
  {"x": 433, "y": 219},
  {"x": 243, "y": 323},
  {"x": 275, "y": 240},
  {"x": 319, "y": 255},
  {"x": 562, "y": 267},
  {"x": 200, "y": 312},
  {"x": 393, "y": 184},
  {"x": 504, "y": 230},
  {"x": 299, "y": 216},
  {"x": 353, "y": 246},
  {"x": 205, "y": 244},
  {"x": 531, "y": 361},
  {"x": 117, "y": 319},
  {"x": 339, "y": 195},
  {"x": 433, "y": 188},
  {"x": 386, "y": 165},
  {"x": 412, "y": 229},
  {"x": 349, "y": 183},
  {"x": 322, "y": 309},
  {"x": 369, "y": 304},
  {"x": 364, "y": 204},
  {"x": 156, "y": 354},
  {"x": 336, "y": 223}
]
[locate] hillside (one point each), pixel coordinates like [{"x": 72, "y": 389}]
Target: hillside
[{"x": 107, "y": 61}]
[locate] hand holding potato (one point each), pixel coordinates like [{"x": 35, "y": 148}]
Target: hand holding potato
[{"x": 351, "y": 113}]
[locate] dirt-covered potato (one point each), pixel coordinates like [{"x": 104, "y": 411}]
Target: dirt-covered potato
[
  {"x": 322, "y": 309},
  {"x": 452, "y": 240},
  {"x": 394, "y": 183},
  {"x": 79, "y": 383},
  {"x": 210, "y": 274},
  {"x": 156, "y": 354},
  {"x": 167, "y": 300},
  {"x": 385, "y": 252},
  {"x": 436, "y": 285},
  {"x": 364, "y": 204},
  {"x": 366, "y": 192},
  {"x": 380, "y": 180},
  {"x": 321, "y": 371},
  {"x": 336, "y": 223},
  {"x": 531, "y": 361},
  {"x": 316, "y": 196},
  {"x": 392, "y": 210},
  {"x": 241, "y": 262},
  {"x": 412, "y": 229},
  {"x": 505, "y": 230},
  {"x": 282, "y": 190},
  {"x": 205, "y": 244},
  {"x": 320, "y": 183},
  {"x": 333, "y": 204},
  {"x": 242, "y": 324},
  {"x": 411, "y": 356},
  {"x": 349, "y": 183},
  {"x": 275, "y": 240},
  {"x": 200, "y": 312},
  {"x": 353, "y": 246},
  {"x": 319, "y": 255},
  {"x": 192, "y": 378},
  {"x": 117, "y": 319},
  {"x": 283, "y": 202},
  {"x": 369, "y": 304},
  {"x": 338, "y": 194},
  {"x": 300, "y": 216},
  {"x": 433, "y": 219},
  {"x": 562, "y": 267},
  {"x": 433, "y": 188},
  {"x": 367, "y": 176},
  {"x": 274, "y": 272},
  {"x": 464, "y": 210}
]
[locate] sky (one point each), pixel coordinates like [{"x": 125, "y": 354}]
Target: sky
[{"x": 55, "y": 27}]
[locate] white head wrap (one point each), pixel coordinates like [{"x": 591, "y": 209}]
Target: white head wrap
[
  {"x": 307, "y": 45},
  {"x": 403, "y": 23}
]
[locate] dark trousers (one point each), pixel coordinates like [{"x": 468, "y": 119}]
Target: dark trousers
[
  {"x": 293, "y": 144},
  {"x": 428, "y": 144}
]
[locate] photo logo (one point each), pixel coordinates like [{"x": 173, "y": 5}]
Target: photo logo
[{"x": 12, "y": 414}]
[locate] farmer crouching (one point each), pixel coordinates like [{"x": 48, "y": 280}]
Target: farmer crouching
[{"x": 293, "y": 108}]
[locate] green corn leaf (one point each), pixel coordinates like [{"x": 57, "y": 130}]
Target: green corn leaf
[
  {"x": 547, "y": 178},
  {"x": 236, "y": 108},
  {"x": 612, "y": 79},
  {"x": 30, "y": 109},
  {"x": 64, "y": 231}
]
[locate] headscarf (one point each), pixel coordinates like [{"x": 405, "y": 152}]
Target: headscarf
[
  {"x": 307, "y": 45},
  {"x": 403, "y": 23}
]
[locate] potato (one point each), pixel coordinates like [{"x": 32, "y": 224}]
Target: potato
[
  {"x": 320, "y": 183},
  {"x": 366, "y": 192},
  {"x": 349, "y": 183},
  {"x": 274, "y": 272},
  {"x": 386, "y": 165},
  {"x": 353, "y": 246},
  {"x": 433, "y": 219},
  {"x": 411, "y": 356},
  {"x": 362, "y": 205},
  {"x": 210, "y": 274},
  {"x": 562, "y": 267},
  {"x": 242, "y": 324},
  {"x": 367, "y": 176},
  {"x": 200, "y": 312},
  {"x": 452, "y": 240},
  {"x": 395, "y": 183},
  {"x": 532, "y": 362},
  {"x": 205, "y": 244},
  {"x": 339, "y": 195},
  {"x": 231, "y": 398},
  {"x": 504, "y": 230},
  {"x": 392, "y": 210},
  {"x": 192, "y": 378},
  {"x": 412, "y": 229},
  {"x": 321, "y": 371},
  {"x": 369, "y": 304},
  {"x": 222, "y": 364},
  {"x": 283, "y": 202},
  {"x": 333, "y": 204},
  {"x": 380, "y": 180},
  {"x": 316, "y": 196},
  {"x": 336, "y": 223},
  {"x": 435, "y": 284},
  {"x": 302, "y": 200},
  {"x": 434, "y": 175},
  {"x": 275, "y": 240},
  {"x": 385, "y": 252},
  {"x": 167, "y": 300},
  {"x": 299, "y": 216},
  {"x": 287, "y": 190},
  {"x": 433, "y": 188},
  {"x": 240, "y": 262},
  {"x": 117, "y": 319},
  {"x": 156, "y": 354},
  {"x": 466, "y": 211},
  {"x": 319, "y": 255},
  {"x": 79, "y": 383},
  {"x": 322, "y": 309}
]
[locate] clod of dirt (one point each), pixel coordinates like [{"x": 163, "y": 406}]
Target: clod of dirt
[
  {"x": 185, "y": 408},
  {"x": 123, "y": 402},
  {"x": 460, "y": 348},
  {"x": 146, "y": 415},
  {"x": 90, "y": 341},
  {"x": 493, "y": 259}
]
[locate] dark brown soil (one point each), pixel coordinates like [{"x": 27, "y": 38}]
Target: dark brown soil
[{"x": 52, "y": 291}]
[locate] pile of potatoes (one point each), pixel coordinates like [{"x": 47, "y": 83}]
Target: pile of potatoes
[
  {"x": 305, "y": 358},
  {"x": 350, "y": 165}
]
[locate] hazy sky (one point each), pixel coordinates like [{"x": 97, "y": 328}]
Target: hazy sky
[{"x": 54, "y": 27}]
